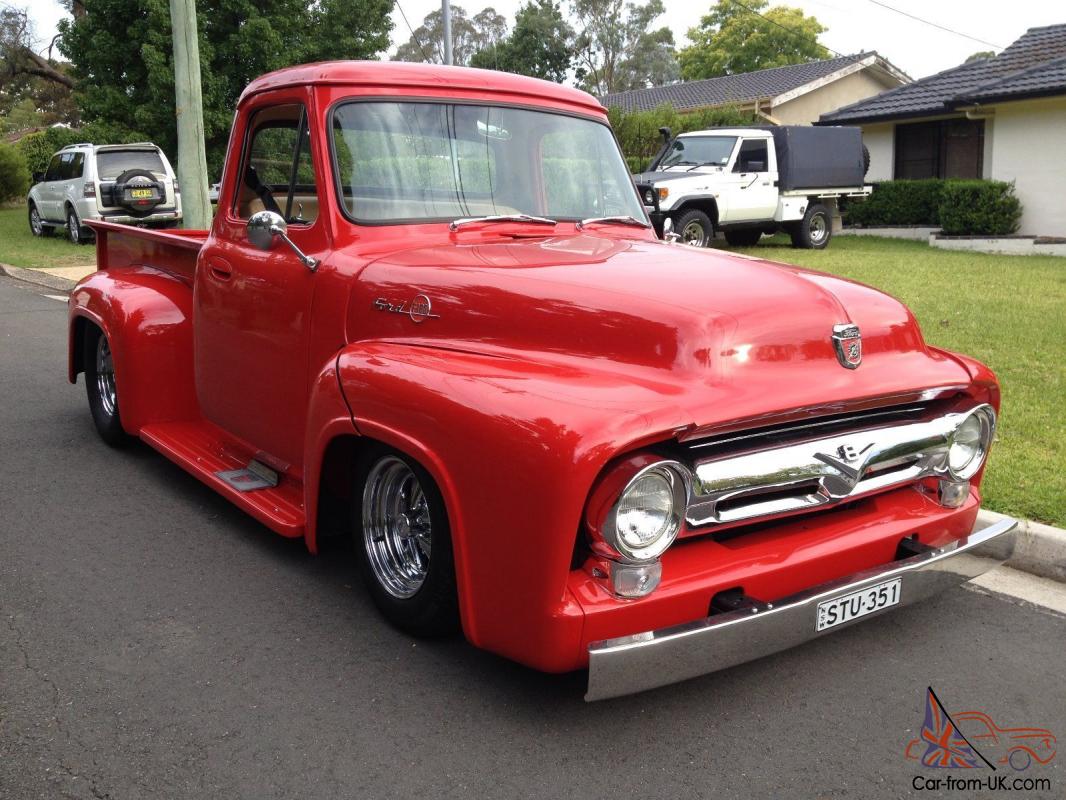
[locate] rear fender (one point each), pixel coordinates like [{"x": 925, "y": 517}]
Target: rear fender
[
  {"x": 514, "y": 447},
  {"x": 147, "y": 317}
]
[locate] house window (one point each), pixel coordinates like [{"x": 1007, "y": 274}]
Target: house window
[{"x": 947, "y": 148}]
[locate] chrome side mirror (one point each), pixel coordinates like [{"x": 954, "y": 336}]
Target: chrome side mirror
[
  {"x": 668, "y": 231},
  {"x": 264, "y": 226}
]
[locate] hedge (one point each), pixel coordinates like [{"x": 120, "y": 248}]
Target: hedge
[
  {"x": 899, "y": 203},
  {"x": 958, "y": 207},
  {"x": 14, "y": 175},
  {"x": 638, "y": 131},
  {"x": 979, "y": 208}
]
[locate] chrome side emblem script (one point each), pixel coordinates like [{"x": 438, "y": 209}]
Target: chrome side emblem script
[
  {"x": 847, "y": 341},
  {"x": 419, "y": 309}
]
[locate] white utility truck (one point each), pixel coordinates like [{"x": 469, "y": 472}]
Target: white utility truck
[{"x": 746, "y": 182}]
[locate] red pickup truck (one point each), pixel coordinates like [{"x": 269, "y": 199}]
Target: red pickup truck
[{"x": 431, "y": 313}]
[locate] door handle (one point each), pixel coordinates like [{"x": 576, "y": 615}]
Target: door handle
[{"x": 220, "y": 269}]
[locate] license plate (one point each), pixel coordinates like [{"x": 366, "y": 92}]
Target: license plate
[
  {"x": 138, "y": 194},
  {"x": 858, "y": 604}
]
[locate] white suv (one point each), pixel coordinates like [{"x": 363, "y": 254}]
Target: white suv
[{"x": 131, "y": 183}]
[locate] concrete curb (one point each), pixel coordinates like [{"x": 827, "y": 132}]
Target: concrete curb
[
  {"x": 1038, "y": 549},
  {"x": 37, "y": 277}
]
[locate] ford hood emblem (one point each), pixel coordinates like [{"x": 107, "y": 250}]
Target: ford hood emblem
[{"x": 847, "y": 341}]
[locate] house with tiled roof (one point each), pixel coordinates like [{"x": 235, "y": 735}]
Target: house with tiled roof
[
  {"x": 794, "y": 95},
  {"x": 1002, "y": 118}
]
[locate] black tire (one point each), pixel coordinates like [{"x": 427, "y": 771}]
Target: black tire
[
  {"x": 37, "y": 224},
  {"x": 431, "y": 608},
  {"x": 695, "y": 229},
  {"x": 814, "y": 231},
  {"x": 748, "y": 237},
  {"x": 865, "y": 160},
  {"x": 75, "y": 233},
  {"x": 102, "y": 394}
]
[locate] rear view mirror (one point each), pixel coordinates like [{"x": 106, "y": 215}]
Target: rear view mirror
[{"x": 264, "y": 226}]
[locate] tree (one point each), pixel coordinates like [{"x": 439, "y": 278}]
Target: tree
[
  {"x": 736, "y": 38},
  {"x": 35, "y": 89},
  {"x": 980, "y": 55},
  {"x": 18, "y": 55},
  {"x": 617, "y": 49},
  {"x": 469, "y": 37},
  {"x": 121, "y": 51},
  {"x": 539, "y": 46}
]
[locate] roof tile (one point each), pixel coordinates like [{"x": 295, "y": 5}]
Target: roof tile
[
  {"x": 742, "y": 88},
  {"x": 1033, "y": 61}
]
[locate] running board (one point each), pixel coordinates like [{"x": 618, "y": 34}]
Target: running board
[{"x": 210, "y": 456}]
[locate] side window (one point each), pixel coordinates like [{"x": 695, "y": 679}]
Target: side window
[
  {"x": 77, "y": 166},
  {"x": 753, "y": 156},
  {"x": 52, "y": 174},
  {"x": 277, "y": 174}
]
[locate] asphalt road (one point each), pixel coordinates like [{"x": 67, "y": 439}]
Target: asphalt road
[{"x": 156, "y": 642}]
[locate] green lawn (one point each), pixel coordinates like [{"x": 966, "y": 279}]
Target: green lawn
[
  {"x": 1007, "y": 311},
  {"x": 20, "y": 248}
]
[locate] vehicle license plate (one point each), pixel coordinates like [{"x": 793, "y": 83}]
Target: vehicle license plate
[
  {"x": 137, "y": 194},
  {"x": 858, "y": 604}
]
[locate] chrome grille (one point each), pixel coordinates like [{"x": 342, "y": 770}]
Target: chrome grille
[{"x": 818, "y": 471}]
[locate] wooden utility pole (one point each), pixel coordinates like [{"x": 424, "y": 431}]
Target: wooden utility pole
[
  {"x": 189, "y": 108},
  {"x": 446, "y": 16}
]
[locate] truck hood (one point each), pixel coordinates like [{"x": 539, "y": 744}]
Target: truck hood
[
  {"x": 702, "y": 321},
  {"x": 655, "y": 178}
]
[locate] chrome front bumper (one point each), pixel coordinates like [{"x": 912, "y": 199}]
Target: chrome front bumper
[{"x": 657, "y": 658}]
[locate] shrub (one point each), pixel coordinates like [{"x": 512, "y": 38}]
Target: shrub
[
  {"x": 638, "y": 131},
  {"x": 898, "y": 203},
  {"x": 14, "y": 175},
  {"x": 979, "y": 208}
]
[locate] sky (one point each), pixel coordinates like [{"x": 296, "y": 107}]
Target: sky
[{"x": 854, "y": 25}]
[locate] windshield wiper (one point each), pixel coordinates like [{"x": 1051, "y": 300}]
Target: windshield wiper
[
  {"x": 621, "y": 219},
  {"x": 456, "y": 224}
]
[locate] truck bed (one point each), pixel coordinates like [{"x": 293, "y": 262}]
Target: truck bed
[{"x": 173, "y": 251}]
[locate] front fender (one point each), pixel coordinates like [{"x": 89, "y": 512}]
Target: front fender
[
  {"x": 147, "y": 317},
  {"x": 514, "y": 447}
]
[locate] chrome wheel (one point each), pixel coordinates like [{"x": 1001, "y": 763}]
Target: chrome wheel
[
  {"x": 693, "y": 234},
  {"x": 105, "y": 377},
  {"x": 397, "y": 530},
  {"x": 35, "y": 222},
  {"x": 73, "y": 229},
  {"x": 818, "y": 229}
]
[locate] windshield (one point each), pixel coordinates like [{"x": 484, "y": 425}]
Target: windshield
[
  {"x": 112, "y": 163},
  {"x": 416, "y": 162},
  {"x": 702, "y": 150}
]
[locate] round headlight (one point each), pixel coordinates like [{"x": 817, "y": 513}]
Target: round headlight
[
  {"x": 647, "y": 517},
  {"x": 970, "y": 442},
  {"x": 649, "y": 198}
]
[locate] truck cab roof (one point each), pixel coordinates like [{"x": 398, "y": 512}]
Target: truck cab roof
[{"x": 414, "y": 77}]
